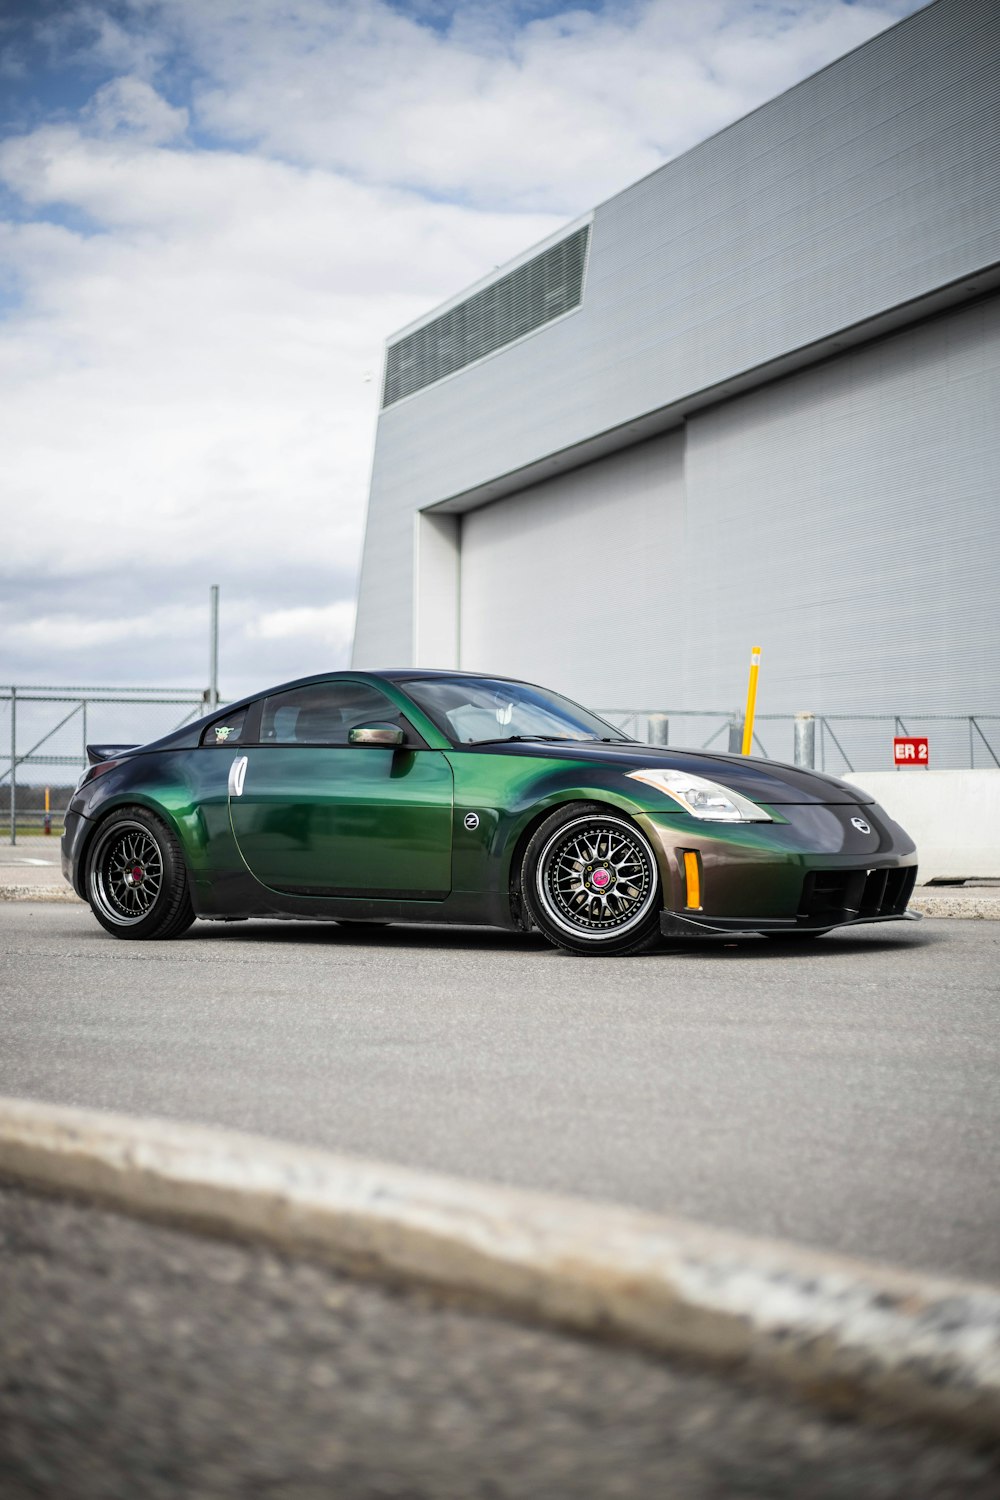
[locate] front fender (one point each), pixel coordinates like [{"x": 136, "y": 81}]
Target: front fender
[{"x": 500, "y": 799}]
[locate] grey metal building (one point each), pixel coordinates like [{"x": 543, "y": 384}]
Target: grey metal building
[{"x": 752, "y": 399}]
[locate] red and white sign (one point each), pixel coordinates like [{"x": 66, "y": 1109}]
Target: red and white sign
[{"x": 911, "y": 750}]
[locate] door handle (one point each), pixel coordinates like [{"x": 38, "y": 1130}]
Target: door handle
[{"x": 237, "y": 776}]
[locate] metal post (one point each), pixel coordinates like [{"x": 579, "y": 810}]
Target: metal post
[
  {"x": 805, "y": 740},
  {"x": 736, "y": 726},
  {"x": 13, "y": 765},
  {"x": 83, "y": 716},
  {"x": 658, "y": 729},
  {"x": 746, "y": 746},
  {"x": 213, "y": 680}
]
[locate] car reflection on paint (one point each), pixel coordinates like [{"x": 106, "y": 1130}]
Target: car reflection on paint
[{"x": 416, "y": 796}]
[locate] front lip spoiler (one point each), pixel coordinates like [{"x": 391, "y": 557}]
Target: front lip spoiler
[{"x": 675, "y": 924}]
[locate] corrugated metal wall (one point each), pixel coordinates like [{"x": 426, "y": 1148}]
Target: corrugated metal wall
[
  {"x": 849, "y": 517},
  {"x": 578, "y": 581},
  {"x": 846, "y": 518}
]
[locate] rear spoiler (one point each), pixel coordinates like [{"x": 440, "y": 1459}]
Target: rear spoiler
[{"x": 97, "y": 753}]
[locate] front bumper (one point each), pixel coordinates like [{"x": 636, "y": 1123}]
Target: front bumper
[
  {"x": 814, "y": 868},
  {"x": 675, "y": 924}
]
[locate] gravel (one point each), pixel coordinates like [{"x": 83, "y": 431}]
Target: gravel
[{"x": 140, "y": 1361}]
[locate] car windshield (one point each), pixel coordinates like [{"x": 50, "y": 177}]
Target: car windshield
[{"x": 491, "y": 710}]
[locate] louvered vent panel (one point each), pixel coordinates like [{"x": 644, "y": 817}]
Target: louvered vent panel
[{"x": 529, "y": 297}]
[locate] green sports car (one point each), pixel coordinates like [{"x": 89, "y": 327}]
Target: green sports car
[{"x": 420, "y": 796}]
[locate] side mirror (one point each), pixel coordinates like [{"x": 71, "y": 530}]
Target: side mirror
[{"x": 375, "y": 734}]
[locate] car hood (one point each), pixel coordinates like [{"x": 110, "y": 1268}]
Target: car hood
[{"x": 770, "y": 781}]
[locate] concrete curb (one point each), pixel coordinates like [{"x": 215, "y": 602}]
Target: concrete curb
[
  {"x": 847, "y": 1333},
  {"x": 47, "y": 893},
  {"x": 972, "y": 906}
]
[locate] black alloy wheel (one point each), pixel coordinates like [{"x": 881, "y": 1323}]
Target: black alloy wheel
[
  {"x": 591, "y": 882},
  {"x": 136, "y": 881}
]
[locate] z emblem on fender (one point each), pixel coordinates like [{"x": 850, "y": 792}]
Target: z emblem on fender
[{"x": 861, "y": 825}]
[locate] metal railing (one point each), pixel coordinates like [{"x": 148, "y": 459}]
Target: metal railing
[
  {"x": 843, "y": 742},
  {"x": 46, "y": 731}
]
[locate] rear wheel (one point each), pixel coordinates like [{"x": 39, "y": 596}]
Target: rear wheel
[
  {"x": 136, "y": 880},
  {"x": 591, "y": 882}
]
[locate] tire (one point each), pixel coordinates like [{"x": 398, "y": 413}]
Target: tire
[
  {"x": 136, "y": 880},
  {"x": 591, "y": 883}
]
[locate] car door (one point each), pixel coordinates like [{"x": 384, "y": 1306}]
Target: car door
[{"x": 314, "y": 815}]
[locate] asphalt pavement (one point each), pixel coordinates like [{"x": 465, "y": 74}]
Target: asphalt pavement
[{"x": 842, "y": 1095}]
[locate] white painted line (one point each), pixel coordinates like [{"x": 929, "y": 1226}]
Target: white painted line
[{"x": 843, "y": 1331}]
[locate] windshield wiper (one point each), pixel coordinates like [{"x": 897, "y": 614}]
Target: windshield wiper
[{"x": 520, "y": 739}]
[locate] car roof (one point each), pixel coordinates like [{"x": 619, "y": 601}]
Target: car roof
[{"x": 408, "y": 674}]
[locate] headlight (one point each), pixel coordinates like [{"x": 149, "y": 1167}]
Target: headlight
[{"x": 702, "y": 798}]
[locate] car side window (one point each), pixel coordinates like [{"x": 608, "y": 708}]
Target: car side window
[
  {"x": 324, "y": 713},
  {"x": 225, "y": 731}
]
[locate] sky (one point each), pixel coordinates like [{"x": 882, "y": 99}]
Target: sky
[{"x": 212, "y": 215}]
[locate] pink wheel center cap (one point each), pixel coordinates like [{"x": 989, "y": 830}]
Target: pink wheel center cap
[
  {"x": 601, "y": 878},
  {"x": 136, "y": 874}
]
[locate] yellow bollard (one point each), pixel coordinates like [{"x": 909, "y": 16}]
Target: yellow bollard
[
  {"x": 751, "y": 701},
  {"x": 48, "y": 813}
]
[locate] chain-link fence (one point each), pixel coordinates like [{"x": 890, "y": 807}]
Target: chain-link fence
[
  {"x": 843, "y": 743},
  {"x": 44, "y": 732}
]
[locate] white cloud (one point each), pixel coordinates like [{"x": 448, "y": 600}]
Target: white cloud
[
  {"x": 557, "y": 113},
  {"x": 330, "y": 626},
  {"x": 193, "y": 381},
  {"x": 129, "y": 106},
  {"x": 71, "y": 634}
]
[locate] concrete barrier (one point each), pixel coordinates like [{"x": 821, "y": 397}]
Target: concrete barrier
[
  {"x": 953, "y": 818},
  {"x": 841, "y": 1331}
]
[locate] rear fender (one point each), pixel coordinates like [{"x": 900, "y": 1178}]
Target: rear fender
[{"x": 186, "y": 791}]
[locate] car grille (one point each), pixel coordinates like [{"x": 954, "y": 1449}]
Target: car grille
[{"x": 840, "y": 895}]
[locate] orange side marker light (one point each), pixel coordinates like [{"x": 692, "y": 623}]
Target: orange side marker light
[{"x": 692, "y": 880}]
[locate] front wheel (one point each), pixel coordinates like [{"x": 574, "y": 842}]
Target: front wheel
[
  {"x": 591, "y": 882},
  {"x": 136, "y": 880}
]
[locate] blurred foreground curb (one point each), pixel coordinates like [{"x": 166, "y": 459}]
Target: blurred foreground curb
[{"x": 846, "y": 1333}]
